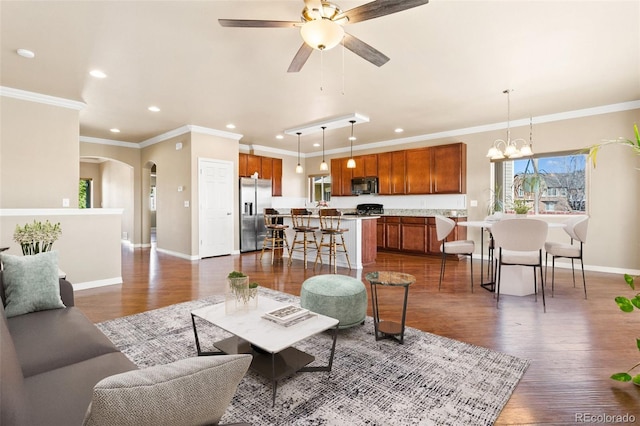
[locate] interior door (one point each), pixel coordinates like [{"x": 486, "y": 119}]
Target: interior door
[{"x": 215, "y": 183}]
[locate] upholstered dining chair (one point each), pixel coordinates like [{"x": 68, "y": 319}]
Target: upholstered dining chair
[
  {"x": 520, "y": 242},
  {"x": 305, "y": 234},
  {"x": 576, "y": 227},
  {"x": 444, "y": 227},
  {"x": 332, "y": 237}
]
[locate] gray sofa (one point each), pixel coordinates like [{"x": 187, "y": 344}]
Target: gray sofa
[{"x": 52, "y": 360}]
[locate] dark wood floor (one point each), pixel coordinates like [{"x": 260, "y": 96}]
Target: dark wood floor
[{"x": 573, "y": 348}]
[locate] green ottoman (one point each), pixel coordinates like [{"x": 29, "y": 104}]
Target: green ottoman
[{"x": 337, "y": 296}]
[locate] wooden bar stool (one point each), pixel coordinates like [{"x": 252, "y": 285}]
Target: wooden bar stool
[
  {"x": 276, "y": 237},
  {"x": 301, "y": 224},
  {"x": 330, "y": 228}
]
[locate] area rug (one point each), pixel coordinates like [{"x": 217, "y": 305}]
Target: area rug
[{"x": 429, "y": 380}]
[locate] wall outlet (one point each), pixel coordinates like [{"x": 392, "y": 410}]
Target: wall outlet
[
  {"x": 65, "y": 202},
  {"x": 186, "y": 204},
  {"x": 473, "y": 203}
]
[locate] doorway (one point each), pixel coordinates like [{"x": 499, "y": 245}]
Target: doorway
[{"x": 215, "y": 192}]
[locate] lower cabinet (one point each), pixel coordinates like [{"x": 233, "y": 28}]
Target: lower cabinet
[{"x": 413, "y": 234}]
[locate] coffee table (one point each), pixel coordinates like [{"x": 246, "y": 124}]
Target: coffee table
[{"x": 270, "y": 344}]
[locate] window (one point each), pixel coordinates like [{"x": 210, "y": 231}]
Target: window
[
  {"x": 85, "y": 194},
  {"x": 549, "y": 183},
  {"x": 320, "y": 188}
]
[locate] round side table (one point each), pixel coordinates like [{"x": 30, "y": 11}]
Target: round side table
[{"x": 389, "y": 329}]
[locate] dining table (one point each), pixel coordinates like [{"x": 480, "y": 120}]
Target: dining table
[{"x": 488, "y": 282}]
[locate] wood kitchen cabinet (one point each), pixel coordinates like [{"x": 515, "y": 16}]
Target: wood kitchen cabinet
[
  {"x": 267, "y": 168},
  {"x": 414, "y": 235},
  {"x": 340, "y": 177},
  {"x": 449, "y": 169},
  {"x": 418, "y": 171},
  {"x": 366, "y": 165},
  {"x": 388, "y": 237}
]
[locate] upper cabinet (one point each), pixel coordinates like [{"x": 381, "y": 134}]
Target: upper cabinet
[
  {"x": 267, "y": 168},
  {"x": 449, "y": 169},
  {"x": 438, "y": 169}
]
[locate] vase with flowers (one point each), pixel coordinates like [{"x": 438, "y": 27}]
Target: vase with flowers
[{"x": 37, "y": 237}]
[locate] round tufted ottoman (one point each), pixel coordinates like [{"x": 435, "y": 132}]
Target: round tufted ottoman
[{"x": 336, "y": 296}]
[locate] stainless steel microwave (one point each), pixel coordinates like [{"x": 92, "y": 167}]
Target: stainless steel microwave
[{"x": 364, "y": 185}]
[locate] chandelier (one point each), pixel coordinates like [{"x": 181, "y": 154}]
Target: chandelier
[{"x": 509, "y": 148}]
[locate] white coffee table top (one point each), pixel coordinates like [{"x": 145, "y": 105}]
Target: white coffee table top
[{"x": 267, "y": 335}]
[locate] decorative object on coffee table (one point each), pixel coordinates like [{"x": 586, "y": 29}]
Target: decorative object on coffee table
[{"x": 239, "y": 293}]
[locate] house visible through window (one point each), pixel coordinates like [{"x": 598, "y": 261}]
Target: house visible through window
[
  {"x": 320, "y": 188},
  {"x": 549, "y": 184}
]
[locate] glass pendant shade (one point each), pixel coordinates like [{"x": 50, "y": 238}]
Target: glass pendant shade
[
  {"x": 322, "y": 34},
  {"x": 351, "y": 164}
]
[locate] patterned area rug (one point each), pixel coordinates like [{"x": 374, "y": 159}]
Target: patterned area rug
[{"x": 430, "y": 380}]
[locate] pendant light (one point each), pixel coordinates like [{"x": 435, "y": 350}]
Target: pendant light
[
  {"x": 298, "y": 167},
  {"x": 323, "y": 165},
  {"x": 351, "y": 164}
]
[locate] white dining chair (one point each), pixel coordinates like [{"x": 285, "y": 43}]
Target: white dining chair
[
  {"x": 576, "y": 227},
  {"x": 520, "y": 242},
  {"x": 444, "y": 227}
]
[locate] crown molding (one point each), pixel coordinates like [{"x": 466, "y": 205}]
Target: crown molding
[
  {"x": 253, "y": 147},
  {"x": 40, "y": 98},
  {"x": 215, "y": 132},
  {"x": 100, "y": 141}
]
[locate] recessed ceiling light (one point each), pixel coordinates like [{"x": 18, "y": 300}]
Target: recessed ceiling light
[
  {"x": 399, "y": 130},
  {"x": 154, "y": 108},
  {"x": 25, "y": 53},
  {"x": 231, "y": 126},
  {"x": 279, "y": 137},
  {"x": 114, "y": 130},
  {"x": 97, "y": 74}
]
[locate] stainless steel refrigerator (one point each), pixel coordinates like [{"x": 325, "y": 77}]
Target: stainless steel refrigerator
[{"x": 255, "y": 196}]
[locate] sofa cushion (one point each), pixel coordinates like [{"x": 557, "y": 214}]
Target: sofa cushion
[
  {"x": 13, "y": 405},
  {"x": 31, "y": 283},
  {"x": 52, "y": 339},
  {"x": 61, "y": 396},
  {"x": 192, "y": 391}
]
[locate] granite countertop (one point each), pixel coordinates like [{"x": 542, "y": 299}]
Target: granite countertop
[{"x": 350, "y": 212}]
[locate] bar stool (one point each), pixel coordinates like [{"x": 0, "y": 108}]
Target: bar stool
[
  {"x": 301, "y": 224},
  {"x": 330, "y": 228},
  {"x": 276, "y": 237}
]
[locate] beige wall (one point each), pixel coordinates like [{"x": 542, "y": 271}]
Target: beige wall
[
  {"x": 131, "y": 157},
  {"x": 38, "y": 155},
  {"x": 117, "y": 192},
  {"x": 88, "y": 248},
  {"x": 173, "y": 169}
]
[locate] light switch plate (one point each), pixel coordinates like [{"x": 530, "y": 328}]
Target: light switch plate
[{"x": 186, "y": 204}]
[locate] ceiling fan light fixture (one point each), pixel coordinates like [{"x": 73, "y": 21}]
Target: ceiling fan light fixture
[{"x": 322, "y": 34}]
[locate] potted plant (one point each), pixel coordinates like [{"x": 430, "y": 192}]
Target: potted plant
[
  {"x": 625, "y": 304},
  {"x": 521, "y": 207},
  {"x": 240, "y": 294},
  {"x": 37, "y": 237},
  {"x": 628, "y": 305}
]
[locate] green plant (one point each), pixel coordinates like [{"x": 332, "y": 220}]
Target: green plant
[
  {"x": 236, "y": 274},
  {"x": 628, "y": 305},
  {"x": 37, "y": 237},
  {"x": 520, "y": 206},
  {"x": 634, "y": 145},
  {"x": 82, "y": 194},
  {"x": 495, "y": 203}
]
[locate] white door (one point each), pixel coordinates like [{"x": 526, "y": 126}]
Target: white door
[{"x": 215, "y": 184}]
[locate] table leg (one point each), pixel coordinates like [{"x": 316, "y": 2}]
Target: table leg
[
  {"x": 195, "y": 333},
  {"x": 487, "y": 285}
]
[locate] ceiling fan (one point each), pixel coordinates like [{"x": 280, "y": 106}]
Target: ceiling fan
[{"x": 321, "y": 27}]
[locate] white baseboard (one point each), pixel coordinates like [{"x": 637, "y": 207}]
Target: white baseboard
[
  {"x": 177, "y": 254},
  {"x": 98, "y": 283}
]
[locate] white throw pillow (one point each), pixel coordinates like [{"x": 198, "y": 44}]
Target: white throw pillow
[{"x": 192, "y": 391}]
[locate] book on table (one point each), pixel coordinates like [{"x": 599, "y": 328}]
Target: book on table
[{"x": 286, "y": 314}]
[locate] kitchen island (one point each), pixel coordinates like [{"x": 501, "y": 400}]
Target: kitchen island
[{"x": 360, "y": 240}]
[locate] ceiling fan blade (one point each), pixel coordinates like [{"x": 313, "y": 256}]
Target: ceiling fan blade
[
  {"x": 365, "y": 51},
  {"x": 253, "y": 23},
  {"x": 378, "y": 8},
  {"x": 301, "y": 58}
]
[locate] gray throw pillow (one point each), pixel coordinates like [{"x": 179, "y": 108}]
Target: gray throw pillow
[
  {"x": 192, "y": 391},
  {"x": 30, "y": 283}
]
